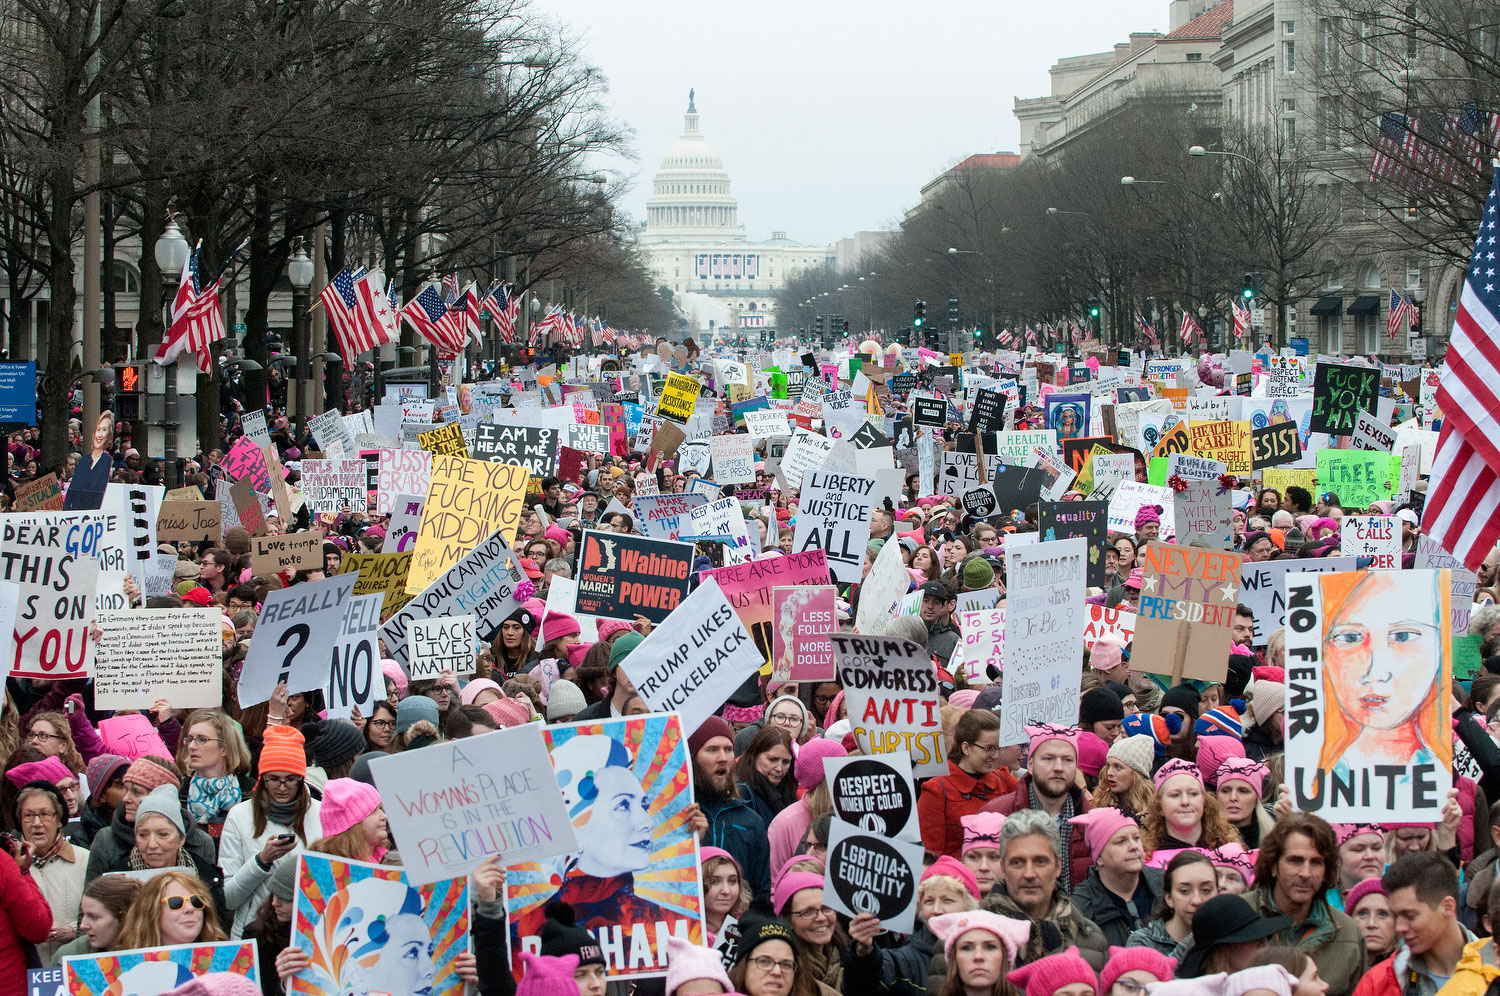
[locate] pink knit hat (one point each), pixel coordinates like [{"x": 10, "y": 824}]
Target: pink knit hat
[
  {"x": 1345, "y": 832},
  {"x": 1234, "y": 856},
  {"x": 686, "y": 962},
  {"x": 548, "y": 975},
  {"x": 610, "y": 627},
  {"x": 1147, "y": 513},
  {"x": 1092, "y": 753},
  {"x": 1052, "y": 731},
  {"x": 1046, "y": 976},
  {"x": 743, "y": 714},
  {"x": 346, "y": 802},
  {"x": 705, "y": 853},
  {"x": 1213, "y": 752},
  {"x": 217, "y": 984},
  {"x": 1370, "y": 886},
  {"x": 507, "y": 712},
  {"x": 981, "y": 830},
  {"x": 1177, "y": 766},
  {"x": 471, "y": 691},
  {"x": 393, "y": 671},
  {"x": 1012, "y": 933},
  {"x": 964, "y": 698},
  {"x": 48, "y": 769},
  {"x": 954, "y": 868},
  {"x": 809, "y": 765},
  {"x": 1272, "y": 978},
  {"x": 789, "y": 885},
  {"x": 1242, "y": 769},
  {"x": 1108, "y": 653},
  {"x": 558, "y": 625},
  {"x": 150, "y": 775},
  {"x": 1141, "y": 959},
  {"x": 1099, "y": 827}
]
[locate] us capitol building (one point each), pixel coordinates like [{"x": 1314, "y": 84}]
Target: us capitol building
[{"x": 695, "y": 244}]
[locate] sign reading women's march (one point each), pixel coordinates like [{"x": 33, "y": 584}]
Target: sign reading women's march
[
  {"x": 144, "y": 655},
  {"x": 360, "y": 924},
  {"x": 834, "y": 516},
  {"x": 891, "y": 693},
  {"x": 868, "y": 873},
  {"x": 53, "y": 558},
  {"x": 460, "y": 802},
  {"x": 467, "y": 500},
  {"x": 875, "y": 794},
  {"x": 1369, "y": 669},
  {"x": 151, "y": 971},
  {"x": 693, "y": 662},
  {"x": 1188, "y": 598},
  {"x": 294, "y": 638},
  {"x": 627, "y": 787},
  {"x": 1044, "y": 616},
  {"x": 749, "y": 589},
  {"x": 804, "y": 615},
  {"x": 622, "y": 576}
]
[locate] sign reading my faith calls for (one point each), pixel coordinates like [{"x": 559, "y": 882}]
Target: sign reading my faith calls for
[
  {"x": 294, "y": 638},
  {"x": 467, "y": 500},
  {"x": 695, "y": 660},
  {"x": 1375, "y": 536},
  {"x": 1188, "y": 598},
  {"x": 834, "y": 516},
  {"x": 472, "y": 799},
  {"x": 804, "y": 617},
  {"x": 892, "y": 696},
  {"x": 1369, "y": 677},
  {"x": 875, "y": 794},
  {"x": 1043, "y": 630},
  {"x": 868, "y": 873},
  {"x": 442, "y": 644},
  {"x": 1340, "y": 391},
  {"x": 1088, "y": 520},
  {"x": 621, "y": 577},
  {"x": 1263, "y": 591}
]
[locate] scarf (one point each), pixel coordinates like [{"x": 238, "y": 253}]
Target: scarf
[
  {"x": 1064, "y": 827},
  {"x": 284, "y": 813},
  {"x": 209, "y": 798},
  {"x": 825, "y": 964},
  {"x": 138, "y": 863}
]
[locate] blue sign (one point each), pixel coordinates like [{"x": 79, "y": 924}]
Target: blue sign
[
  {"x": 18, "y": 393},
  {"x": 1299, "y": 346}
]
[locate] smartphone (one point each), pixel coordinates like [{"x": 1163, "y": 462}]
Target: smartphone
[{"x": 285, "y": 838}]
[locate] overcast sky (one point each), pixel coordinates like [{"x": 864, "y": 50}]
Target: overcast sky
[{"x": 831, "y": 116}]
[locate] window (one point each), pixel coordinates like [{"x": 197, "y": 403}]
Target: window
[
  {"x": 1335, "y": 278},
  {"x": 1331, "y": 54},
  {"x": 1413, "y": 274},
  {"x": 1369, "y": 277},
  {"x": 1289, "y": 27},
  {"x": 1288, "y": 104},
  {"x": 1328, "y": 334},
  {"x": 1291, "y": 128},
  {"x": 1195, "y": 57},
  {"x": 1291, "y": 320},
  {"x": 123, "y": 278},
  {"x": 1289, "y": 57},
  {"x": 1366, "y": 337}
]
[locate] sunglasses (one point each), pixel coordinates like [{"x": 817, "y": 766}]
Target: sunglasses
[{"x": 175, "y": 903}]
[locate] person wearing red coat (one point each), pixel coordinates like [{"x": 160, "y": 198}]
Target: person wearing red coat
[
  {"x": 1051, "y": 784},
  {"x": 970, "y": 783},
  {"x": 24, "y": 916}
]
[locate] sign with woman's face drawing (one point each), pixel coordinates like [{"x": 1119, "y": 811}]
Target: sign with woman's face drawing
[
  {"x": 1369, "y": 667},
  {"x": 627, "y": 784},
  {"x": 148, "y": 971}
]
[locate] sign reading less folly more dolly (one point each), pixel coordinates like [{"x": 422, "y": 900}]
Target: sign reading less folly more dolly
[{"x": 621, "y": 577}]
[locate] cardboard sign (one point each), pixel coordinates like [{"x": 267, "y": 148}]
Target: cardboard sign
[
  {"x": 834, "y": 516},
  {"x": 621, "y": 577},
  {"x": 50, "y": 556},
  {"x": 148, "y": 654},
  {"x": 1369, "y": 694},
  {"x": 678, "y": 398},
  {"x": 693, "y": 662},
  {"x": 333, "y": 435},
  {"x": 804, "y": 618},
  {"x": 382, "y": 574},
  {"x": 42, "y": 494},
  {"x": 294, "y": 638},
  {"x": 1087, "y": 520},
  {"x": 468, "y": 800},
  {"x": 1372, "y": 434},
  {"x": 334, "y": 486},
  {"x": 1358, "y": 477},
  {"x": 353, "y": 666},
  {"x": 1274, "y": 445},
  {"x": 1201, "y": 513},
  {"x": 1263, "y": 588},
  {"x": 868, "y": 873},
  {"x": 442, "y": 644},
  {"x": 246, "y": 461},
  {"x": 189, "y": 522},
  {"x": 1377, "y": 537},
  {"x": 286, "y": 552},
  {"x": 247, "y": 507},
  {"x": 1339, "y": 392},
  {"x": 466, "y": 501},
  {"x": 1183, "y": 622},
  {"x": 1043, "y": 631},
  {"x": 891, "y": 692}
]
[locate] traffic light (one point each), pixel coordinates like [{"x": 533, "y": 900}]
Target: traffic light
[
  {"x": 953, "y": 311},
  {"x": 819, "y": 320},
  {"x": 919, "y": 314},
  {"x": 1249, "y": 292},
  {"x": 1094, "y": 316}
]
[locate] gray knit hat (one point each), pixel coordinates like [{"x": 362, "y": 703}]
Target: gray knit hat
[
  {"x": 164, "y": 801},
  {"x": 284, "y": 877},
  {"x": 564, "y": 699}
]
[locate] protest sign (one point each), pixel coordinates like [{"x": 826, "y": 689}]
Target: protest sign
[
  {"x": 466, "y": 501},
  {"x": 294, "y": 638},
  {"x": 805, "y": 615},
  {"x": 621, "y": 576},
  {"x": 987, "y": 414},
  {"x": 463, "y": 801},
  {"x": 930, "y": 412},
  {"x": 1369, "y": 693},
  {"x": 869, "y": 873},
  {"x": 259, "y": 432},
  {"x": 588, "y": 438},
  {"x": 52, "y": 558},
  {"x": 642, "y": 857},
  {"x": 1358, "y": 477},
  {"x": 694, "y": 660},
  {"x": 1188, "y": 598},
  {"x": 1194, "y": 468},
  {"x": 678, "y": 398},
  {"x": 246, "y": 461},
  {"x": 881, "y": 592},
  {"x": 332, "y": 433},
  {"x": 875, "y": 794},
  {"x": 1174, "y": 439},
  {"x": 406, "y": 516},
  {"x": 1283, "y": 376},
  {"x": 1377, "y": 537},
  {"x": 1113, "y": 467},
  {"x": 1263, "y": 590},
  {"x": 1372, "y": 434},
  {"x": 1228, "y": 442},
  {"x": 41, "y": 494},
  {"x": 720, "y": 521},
  {"x": 891, "y": 693},
  {"x": 804, "y": 453},
  {"x": 834, "y": 516},
  {"x": 1131, "y": 496},
  {"x": 360, "y": 923},
  {"x": 446, "y": 440},
  {"x": 748, "y": 588},
  {"x": 766, "y": 423},
  {"x": 1101, "y": 620},
  {"x": 533, "y": 447},
  {"x": 1339, "y": 392},
  {"x": 382, "y": 574},
  {"x": 435, "y": 645},
  {"x": 150, "y": 971},
  {"x": 664, "y": 516},
  {"x": 983, "y": 633},
  {"x": 1201, "y": 514},
  {"x": 1088, "y": 520},
  {"x": 1432, "y": 556},
  {"x": 248, "y": 508},
  {"x": 279, "y": 493},
  {"x": 353, "y": 666},
  {"x": 334, "y": 486},
  {"x": 289, "y": 552},
  {"x": 1043, "y": 628},
  {"x": 734, "y": 459},
  {"x": 1275, "y": 444},
  {"x": 45, "y": 982},
  {"x": 404, "y": 472},
  {"x": 144, "y": 655},
  {"x": 188, "y": 522}
]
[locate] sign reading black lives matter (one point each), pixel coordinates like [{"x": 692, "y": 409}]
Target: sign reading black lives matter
[
  {"x": 875, "y": 794},
  {"x": 868, "y": 873},
  {"x": 532, "y": 447},
  {"x": 930, "y": 412}
]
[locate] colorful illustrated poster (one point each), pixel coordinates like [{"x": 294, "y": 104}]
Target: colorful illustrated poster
[
  {"x": 635, "y": 879},
  {"x": 804, "y": 616},
  {"x": 150, "y": 971},
  {"x": 1369, "y": 677},
  {"x": 1068, "y": 414},
  {"x": 358, "y": 923}
]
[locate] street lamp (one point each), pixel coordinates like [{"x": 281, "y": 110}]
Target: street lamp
[
  {"x": 1130, "y": 181},
  {"x": 299, "y": 272},
  {"x": 171, "y": 252},
  {"x": 1198, "y": 150},
  {"x": 1054, "y": 211}
]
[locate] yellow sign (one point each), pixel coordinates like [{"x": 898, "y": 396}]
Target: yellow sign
[
  {"x": 466, "y": 501},
  {"x": 955, "y": 359},
  {"x": 1227, "y": 442},
  {"x": 380, "y": 574},
  {"x": 1174, "y": 440},
  {"x": 678, "y": 398},
  {"x": 1282, "y": 478},
  {"x": 447, "y": 439}
]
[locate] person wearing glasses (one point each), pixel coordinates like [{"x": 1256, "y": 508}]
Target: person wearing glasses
[
  {"x": 57, "y": 866},
  {"x": 768, "y": 963},
  {"x": 278, "y": 816},
  {"x": 380, "y": 728},
  {"x": 798, "y": 896},
  {"x": 216, "y": 762},
  {"x": 160, "y": 842},
  {"x": 175, "y": 907},
  {"x": 971, "y": 782},
  {"x": 49, "y": 733}
]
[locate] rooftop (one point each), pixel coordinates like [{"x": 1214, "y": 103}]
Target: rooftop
[{"x": 1207, "y": 25}]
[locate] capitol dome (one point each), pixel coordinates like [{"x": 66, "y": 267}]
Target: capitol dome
[{"x": 690, "y": 195}]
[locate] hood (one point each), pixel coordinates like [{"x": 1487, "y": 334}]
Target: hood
[{"x": 1479, "y": 959}]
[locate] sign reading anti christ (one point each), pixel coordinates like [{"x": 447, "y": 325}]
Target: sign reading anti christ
[{"x": 622, "y": 577}]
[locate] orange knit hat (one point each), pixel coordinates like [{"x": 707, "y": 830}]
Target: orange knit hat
[{"x": 282, "y": 751}]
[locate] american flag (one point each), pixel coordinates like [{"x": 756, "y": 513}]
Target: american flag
[
  {"x": 1148, "y": 332},
  {"x": 1400, "y": 318},
  {"x": 359, "y": 312},
  {"x": 434, "y": 322},
  {"x": 502, "y": 308},
  {"x": 450, "y": 288},
  {"x": 1241, "y": 319},
  {"x": 197, "y": 319},
  {"x": 1462, "y": 511},
  {"x": 1393, "y": 150},
  {"x": 1189, "y": 328},
  {"x": 1469, "y": 128},
  {"x": 467, "y": 307}
]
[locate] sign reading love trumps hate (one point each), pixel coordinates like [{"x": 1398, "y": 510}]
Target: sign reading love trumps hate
[
  {"x": 452, "y": 807},
  {"x": 891, "y": 692}
]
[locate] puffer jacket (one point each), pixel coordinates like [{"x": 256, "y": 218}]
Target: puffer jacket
[
  {"x": 1335, "y": 943},
  {"x": 1068, "y": 927},
  {"x": 1099, "y": 904},
  {"x": 1477, "y": 970},
  {"x": 110, "y": 852},
  {"x": 1396, "y": 977},
  {"x": 1080, "y": 858},
  {"x": 736, "y": 827}
]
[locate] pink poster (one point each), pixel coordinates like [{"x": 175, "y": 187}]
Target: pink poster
[
  {"x": 804, "y": 615},
  {"x": 748, "y": 587}
]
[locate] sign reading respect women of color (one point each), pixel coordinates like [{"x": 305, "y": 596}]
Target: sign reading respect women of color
[{"x": 1369, "y": 673}]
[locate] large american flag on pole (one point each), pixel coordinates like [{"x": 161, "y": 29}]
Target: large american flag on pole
[
  {"x": 502, "y": 307},
  {"x": 1400, "y": 317},
  {"x": 358, "y": 312},
  {"x": 197, "y": 319},
  {"x": 434, "y": 321},
  {"x": 1462, "y": 511},
  {"x": 1189, "y": 328}
]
